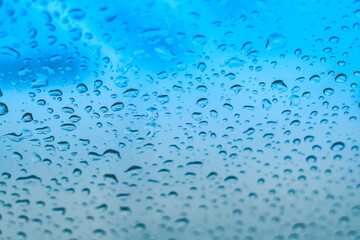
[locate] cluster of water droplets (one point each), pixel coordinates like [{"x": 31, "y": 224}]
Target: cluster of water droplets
[{"x": 179, "y": 120}]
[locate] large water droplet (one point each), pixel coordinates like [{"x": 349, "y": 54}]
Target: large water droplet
[
  {"x": 279, "y": 85},
  {"x": 3, "y": 109},
  {"x": 27, "y": 117},
  {"x": 337, "y": 146},
  {"x": 341, "y": 78}
]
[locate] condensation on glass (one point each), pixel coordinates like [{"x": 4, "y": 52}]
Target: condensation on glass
[{"x": 171, "y": 120}]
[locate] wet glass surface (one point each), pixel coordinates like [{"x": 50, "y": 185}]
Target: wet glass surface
[{"x": 169, "y": 119}]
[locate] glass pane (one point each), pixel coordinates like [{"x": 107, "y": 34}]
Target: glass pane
[{"x": 169, "y": 119}]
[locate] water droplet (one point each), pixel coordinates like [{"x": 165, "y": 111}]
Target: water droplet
[
  {"x": 68, "y": 127},
  {"x": 121, "y": 81},
  {"x": 131, "y": 93},
  {"x": 279, "y": 85},
  {"x": 328, "y": 91},
  {"x": 315, "y": 79},
  {"x": 3, "y": 109},
  {"x": 337, "y": 146},
  {"x": 81, "y": 88},
  {"x": 117, "y": 106},
  {"x": 202, "y": 102},
  {"x": 341, "y": 78},
  {"x": 27, "y": 117},
  {"x": 199, "y": 40},
  {"x": 55, "y": 93},
  {"x": 275, "y": 41},
  {"x": 77, "y": 14},
  {"x": 163, "y": 99},
  {"x": 311, "y": 159},
  {"x": 40, "y": 81}
]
